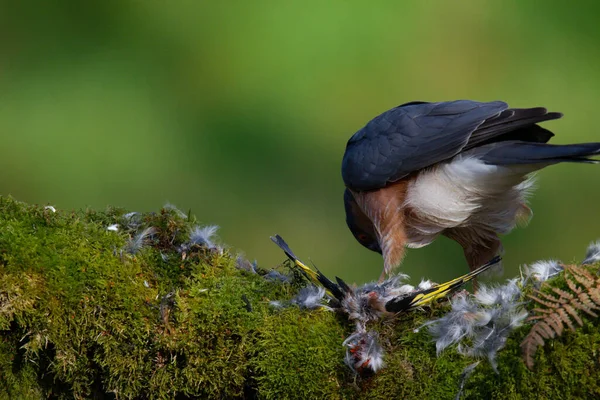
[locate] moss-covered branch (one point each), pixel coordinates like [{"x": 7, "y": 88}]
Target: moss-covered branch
[{"x": 88, "y": 312}]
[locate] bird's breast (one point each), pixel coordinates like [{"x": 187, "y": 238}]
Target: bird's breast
[{"x": 464, "y": 192}]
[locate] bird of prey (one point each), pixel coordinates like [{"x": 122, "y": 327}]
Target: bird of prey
[{"x": 461, "y": 169}]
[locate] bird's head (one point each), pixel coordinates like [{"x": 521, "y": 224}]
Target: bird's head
[{"x": 360, "y": 225}]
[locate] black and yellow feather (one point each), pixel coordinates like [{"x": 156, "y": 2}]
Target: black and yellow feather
[
  {"x": 316, "y": 277},
  {"x": 424, "y": 297},
  {"x": 417, "y": 298}
]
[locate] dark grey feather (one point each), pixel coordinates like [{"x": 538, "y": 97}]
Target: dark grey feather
[
  {"x": 513, "y": 121},
  {"x": 417, "y": 135},
  {"x": 411, "y": 137},
  {"x": 516, "y": 152}
]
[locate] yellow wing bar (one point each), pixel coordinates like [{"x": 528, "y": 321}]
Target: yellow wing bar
[
  {"x": 426, "y": 296},
  {"x": 405, "y": 302},
  {"x": 316, "y": 277}
]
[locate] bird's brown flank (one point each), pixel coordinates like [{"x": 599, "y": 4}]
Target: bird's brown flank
[{"x": 385, "y": 208}]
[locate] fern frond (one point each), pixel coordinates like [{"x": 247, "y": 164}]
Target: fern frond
[
  {"x": 534, "y": 339},
  {"x": 582, "y": 272},
  {"x": 582, "y": 276},
  {"x": 541, "y": 311},
  {"x": 561, "y": 308},
  {"x": 546, "y": 330},
  {"x": 573, "y": 313},
  {"x": 529, "y": 347},
  {"x": 573, "y": 286},
  {"x": 564, "y": 295},
  {"x": 564, "y": 317},
  {"x": 586, "y": 304},
  {"x": 547, "y": 296},
  {"x": 556, "y": 322},
  {"x": 542, "y": 302},
  {"x": 586, "y": 308},
  {"x": 595, "y": 296}
]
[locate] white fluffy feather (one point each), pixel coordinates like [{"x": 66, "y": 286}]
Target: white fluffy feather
[
  {"x": 541, "y": 271},
  {"x": 466, "y": 192},
  {"x": 592, "y": 254}
]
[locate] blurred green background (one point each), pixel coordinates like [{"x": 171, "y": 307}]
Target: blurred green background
[{"x": 240, "y": 111}]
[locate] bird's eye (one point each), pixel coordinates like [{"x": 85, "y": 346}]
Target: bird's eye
[{"x": 362, "y": 237}]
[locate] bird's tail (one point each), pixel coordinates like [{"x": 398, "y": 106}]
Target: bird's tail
[
  {"x": 423, "y": 297},
  {"x": 518, "y": 152},
  {"x": 316, "y": 277}
]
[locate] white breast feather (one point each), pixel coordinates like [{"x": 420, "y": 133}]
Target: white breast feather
[{"x": 466, "y": 192}]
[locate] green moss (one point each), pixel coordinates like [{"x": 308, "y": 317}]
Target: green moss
[
  {"x": 299, "y": 355},
  {"x": 78, "y": 316},
  {"x": 565, "y": 367},
  {"x": 81, "y": 318},
  {"x": 412, "y": 368}
]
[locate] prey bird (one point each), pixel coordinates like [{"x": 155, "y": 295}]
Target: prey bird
[
  {"x": 368, "y": 303},
  {"x": 461, "y": 169},
  {"x": 391, "y": 296}
]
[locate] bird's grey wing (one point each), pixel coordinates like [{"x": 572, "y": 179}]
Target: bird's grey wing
[
  {"x": 514, "y": 124},
  {"x": 411, "y": 137}
]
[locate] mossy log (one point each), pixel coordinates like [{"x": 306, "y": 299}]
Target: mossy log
[{"x": 82, "y": 315}]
